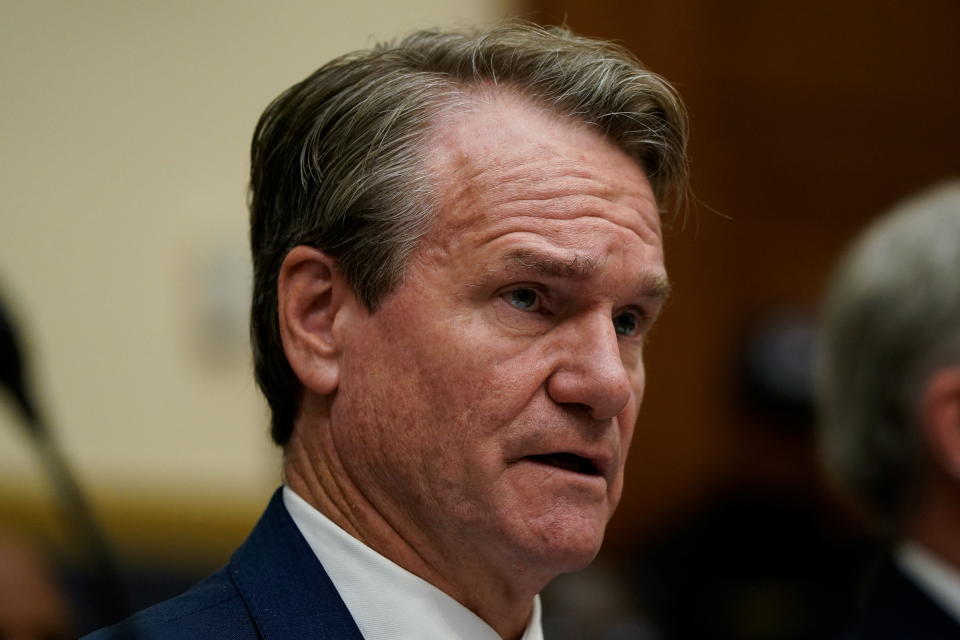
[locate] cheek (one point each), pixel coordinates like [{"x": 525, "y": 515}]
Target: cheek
[
  {"x": 627, "y": 424},
  {"x": 477, "y": 369},
  {"x": 454, "y": 367}
]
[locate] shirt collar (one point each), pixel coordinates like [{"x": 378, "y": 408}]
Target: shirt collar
[
  {"x": 386, "y": 601},
  {"x": 936, "y": 578}
]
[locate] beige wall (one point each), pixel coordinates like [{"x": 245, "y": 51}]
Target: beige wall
[{"x": 124, "y": 129}]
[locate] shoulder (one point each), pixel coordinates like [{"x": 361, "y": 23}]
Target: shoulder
[
  {"x": 211, "y": 609},
  {"x": 274, "y": 586}
]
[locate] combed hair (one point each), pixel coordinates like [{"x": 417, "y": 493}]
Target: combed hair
[
  {"x": 336, "y": 160},
  {"x": 891, "y": 317}
]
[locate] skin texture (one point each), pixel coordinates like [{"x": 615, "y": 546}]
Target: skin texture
[{"x": 517, "y": 331}]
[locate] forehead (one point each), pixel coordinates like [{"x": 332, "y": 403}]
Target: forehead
[{"x": 500, "y": 157}]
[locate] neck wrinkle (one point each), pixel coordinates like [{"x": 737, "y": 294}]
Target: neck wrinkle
[{"x": 313, "y": 470}]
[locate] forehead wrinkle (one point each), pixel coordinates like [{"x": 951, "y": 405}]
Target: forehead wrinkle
[
  {"x": 513, "y": 220},
  {"x": 479, "y": 184},
  {"x": 480, "y": 191},
  {"x": 531, "y": 179},
  {"x": 585, "y": 207},
  {"x": 535, "y": 185},
  {"x": 488, "y": 179}
]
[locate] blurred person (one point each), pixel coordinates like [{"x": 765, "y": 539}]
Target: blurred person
[
  {"x": 33, "y": 605},
  {"x": 888, "y": 386},
  {"x": 457, "y": 254}
]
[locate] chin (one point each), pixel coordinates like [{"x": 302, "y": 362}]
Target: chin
[
  {"x": 570, "y": 562},
  {"x": 563, "y": 544},
  {"x": 574, "y": 557}
]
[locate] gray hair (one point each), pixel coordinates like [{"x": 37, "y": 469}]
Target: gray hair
[
  {"x": 891, "y": 317},
  {"x": 337, "y": 162}
]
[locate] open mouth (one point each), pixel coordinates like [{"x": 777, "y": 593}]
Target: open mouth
[{"x": 567, "y": 462}]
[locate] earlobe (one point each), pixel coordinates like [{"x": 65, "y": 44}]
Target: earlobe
[
  {"x": 941, "y": 419},
  {"x": 310, "y": 292}
]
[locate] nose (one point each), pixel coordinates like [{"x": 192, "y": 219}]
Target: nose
[{"x": 590, "y": 370}]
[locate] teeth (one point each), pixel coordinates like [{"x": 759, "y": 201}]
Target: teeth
[{"x": 567, "y": 461}]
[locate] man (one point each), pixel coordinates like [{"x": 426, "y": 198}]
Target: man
[
  {"x": 457, "y": 253},
  {"x": 889, "y": 395}
]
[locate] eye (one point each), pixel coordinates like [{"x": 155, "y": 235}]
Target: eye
[
  {"x": 525, "y": 299},
  {"x": 627, "y": 323}
]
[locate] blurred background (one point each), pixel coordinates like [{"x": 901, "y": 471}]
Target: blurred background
[{"x": 124, "y": 131}]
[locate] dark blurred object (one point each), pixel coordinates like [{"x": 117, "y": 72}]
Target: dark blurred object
[
  {"x": 896, "y": 608},
  {"x": 107, "y": 595},
  {"x": 776, "y": 376},
  {"x": 32, "y": 603},
  {"x": 753, "y": 565},
  {"x": 595, "y": 603},
  {"x": 768, "y": 555},
  {"x": 12, "y": 372}
]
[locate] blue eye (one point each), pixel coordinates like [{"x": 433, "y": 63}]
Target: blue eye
[
  {"x": 626, "y": 323},
  {"x": 524, "y": 299}
]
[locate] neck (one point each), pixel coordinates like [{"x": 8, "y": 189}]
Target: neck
[{"x": 317, "y": 474}]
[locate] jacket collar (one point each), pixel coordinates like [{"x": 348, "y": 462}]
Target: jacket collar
[{"x": 284, "y": 586}]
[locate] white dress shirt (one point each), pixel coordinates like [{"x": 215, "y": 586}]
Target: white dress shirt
[
  {"x": 933, "y": 576},
  {"x": 387, "y": 601}
]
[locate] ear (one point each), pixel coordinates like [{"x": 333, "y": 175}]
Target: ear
[
  {"x": 940, "y": 414},
  {"x": 310, "y": 293}
]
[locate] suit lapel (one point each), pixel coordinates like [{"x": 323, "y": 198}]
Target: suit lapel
[{"x": 286, "y": 590}]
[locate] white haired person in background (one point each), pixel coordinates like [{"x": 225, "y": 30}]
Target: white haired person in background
[{"x": 888, "y": 387}]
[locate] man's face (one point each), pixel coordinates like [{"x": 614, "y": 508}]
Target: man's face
[{"x": 486, "y": 408}]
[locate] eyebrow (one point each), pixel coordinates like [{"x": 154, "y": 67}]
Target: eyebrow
[
  {"x": 579, "y": 266},
  {"x": 655, "y": 286}
]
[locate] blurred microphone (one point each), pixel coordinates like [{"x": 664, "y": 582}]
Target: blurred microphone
[
  {"x": 109, "y": 597},
  {"x": 12, "y": 374}
]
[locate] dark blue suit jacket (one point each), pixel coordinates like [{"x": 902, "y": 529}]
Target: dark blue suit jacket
[
  {"x": 274, "y": 588},
  {"x": 898, "y": 610}
]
